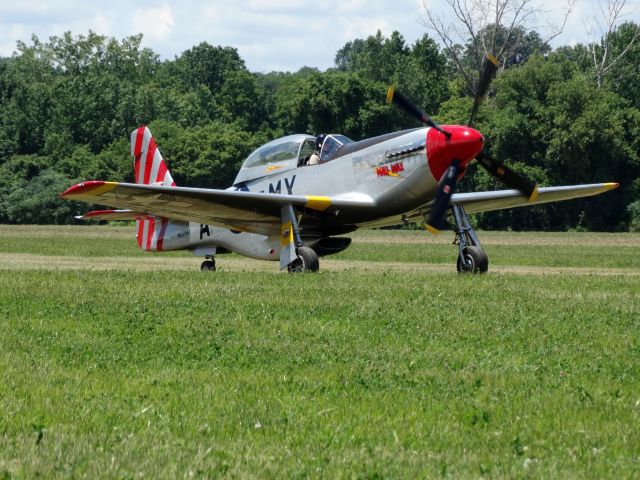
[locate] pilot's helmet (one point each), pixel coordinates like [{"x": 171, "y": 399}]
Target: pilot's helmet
[{"x": 320, "y": 140}]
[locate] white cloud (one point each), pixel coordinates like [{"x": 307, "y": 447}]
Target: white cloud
[
  {"x": 103, "y": 24},
  {"x": 25, "y": 8},
  {"x": 274, "y": 34},
  {"x": 155, "y": 23},
  {"x": 9, "y": 35},
  {"x": 274, "y": 5}
]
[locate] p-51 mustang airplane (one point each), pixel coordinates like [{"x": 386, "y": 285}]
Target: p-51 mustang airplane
[{"x": 281, "y": 208}]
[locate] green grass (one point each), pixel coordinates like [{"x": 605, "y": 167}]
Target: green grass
[
  {"x": 528, "y": 255},
  {"x": 372, "y": 374}
]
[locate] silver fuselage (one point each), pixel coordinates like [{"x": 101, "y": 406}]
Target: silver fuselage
[{"x": 394, "y": 173}]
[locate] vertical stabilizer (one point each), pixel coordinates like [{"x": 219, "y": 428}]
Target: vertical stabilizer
[
  {"x": 149, "y": 169},
  {"x": 149, "y": 166}
]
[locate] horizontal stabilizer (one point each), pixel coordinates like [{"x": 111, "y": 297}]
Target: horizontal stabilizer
[{"x": 110, "y": 215}]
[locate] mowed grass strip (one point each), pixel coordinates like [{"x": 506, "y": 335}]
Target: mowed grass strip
[
  {"x": 581, "y": 250},
  {"x": 403, "y": 373}
]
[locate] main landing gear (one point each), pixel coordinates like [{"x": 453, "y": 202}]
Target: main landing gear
[
  {"x": 472, "y": 258},
  {"x": 307, "y": 261},
  {"x": 293, "y": 254}
]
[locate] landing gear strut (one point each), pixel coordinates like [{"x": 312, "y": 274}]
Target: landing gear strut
[
  {"x": 294, "y": 255},
  {"x": 209, "y": 265},
  {"x": 472, "y": 258}
]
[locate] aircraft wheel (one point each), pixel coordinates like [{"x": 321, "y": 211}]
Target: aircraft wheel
[
  {"x": 307, "y": 261},
  {"x": 476, "y": 258},
  {"x": 208, "y": 266}
]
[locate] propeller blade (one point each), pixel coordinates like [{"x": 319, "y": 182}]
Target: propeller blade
[
  {"x": 441, "y": 204},
  {"x": 489, "y": 71},
  {"x": 509, "y": 177},
  {"x": 402, "y": 102}
]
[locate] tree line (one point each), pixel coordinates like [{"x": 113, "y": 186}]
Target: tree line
[{"x": 68, "y": 105}]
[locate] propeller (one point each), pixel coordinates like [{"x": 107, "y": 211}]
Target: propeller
[
  {"x": 412, "y": 109},
  {"x": 447, "y": 184}
]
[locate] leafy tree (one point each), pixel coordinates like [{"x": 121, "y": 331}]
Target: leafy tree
[
  {"x": 37, "y": 201},
  {"x": 622, "y": 76},
  {"x": 419, "y": 70},
  {"x": 207, "y": 65},
  {"x": 336, "y": 101}
]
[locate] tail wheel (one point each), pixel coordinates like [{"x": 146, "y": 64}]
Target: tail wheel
[
  {"x": 208, "y": 266},
  {"x": 307, "y": 261},
  {"x": 475, "y": 260}
]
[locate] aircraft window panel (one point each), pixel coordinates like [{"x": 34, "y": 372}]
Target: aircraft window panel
[
  {"x": 279, "y": 150},
  {"x": 342, "y": 139},
  {"x": 330, "y": 145},
  {"x": 306, "y": 150}
]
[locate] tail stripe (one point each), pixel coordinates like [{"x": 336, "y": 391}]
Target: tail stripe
[
  {"x": 148, "y": 164},
  {"x": 136, "y": 168},
  {"x": 146, "y": 140},
  {"x": 163, "y": 229},
  {"x": 150, "y": 232},
  {"x": 140, "y": 225},
  {"x": 137, "y": 146},
  {"x": 162, "y": 172},
  {"x": 136, "y": 151},
  {"x": 145, "y": 233},
  {"x": 155, "y": 166}
]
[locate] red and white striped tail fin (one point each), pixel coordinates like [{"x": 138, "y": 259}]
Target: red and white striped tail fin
[
  {"x": 149, "y": 166},
  {"x": 150, "y": 232},
  {"x": 150, "y": 169}
]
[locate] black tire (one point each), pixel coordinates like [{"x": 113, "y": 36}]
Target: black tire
[
  {"x": 307, "y": 261},
  {"x": 208, "y": 266},
  {"x": 476, "y": 257}
]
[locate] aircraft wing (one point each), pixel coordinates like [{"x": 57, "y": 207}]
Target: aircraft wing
[
  {"x": 236, "y": 210},
  {"x": 486, "y": 201}
]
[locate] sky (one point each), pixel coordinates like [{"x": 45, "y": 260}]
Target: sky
[{"x": 280, "y": 35}]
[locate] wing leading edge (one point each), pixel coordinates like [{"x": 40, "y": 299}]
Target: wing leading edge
[
  {"x": 236, "y": 210},
  {"x": 475, "y": 202}
]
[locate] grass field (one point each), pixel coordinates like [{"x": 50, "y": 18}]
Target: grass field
[{"x": 386, "y": 364}]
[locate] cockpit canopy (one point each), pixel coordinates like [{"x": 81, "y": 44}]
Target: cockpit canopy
[
  {"x": 287, "y": 153},
  {"x": 280, "y": 150},
  {"x": 331, "y": 145}
]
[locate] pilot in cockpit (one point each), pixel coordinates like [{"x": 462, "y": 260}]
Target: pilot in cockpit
[{"x": 315, "y": 156}]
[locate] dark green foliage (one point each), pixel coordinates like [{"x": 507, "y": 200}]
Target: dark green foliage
[
  {"x": 622, "y": 78},
  {"x": 333, "y": 102},
  {"x": 634, "y": 213},
  {"x": 67, "y": 107},
  {"x": 419, "y": 71},
  {"x": 36, "y": 200}
]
